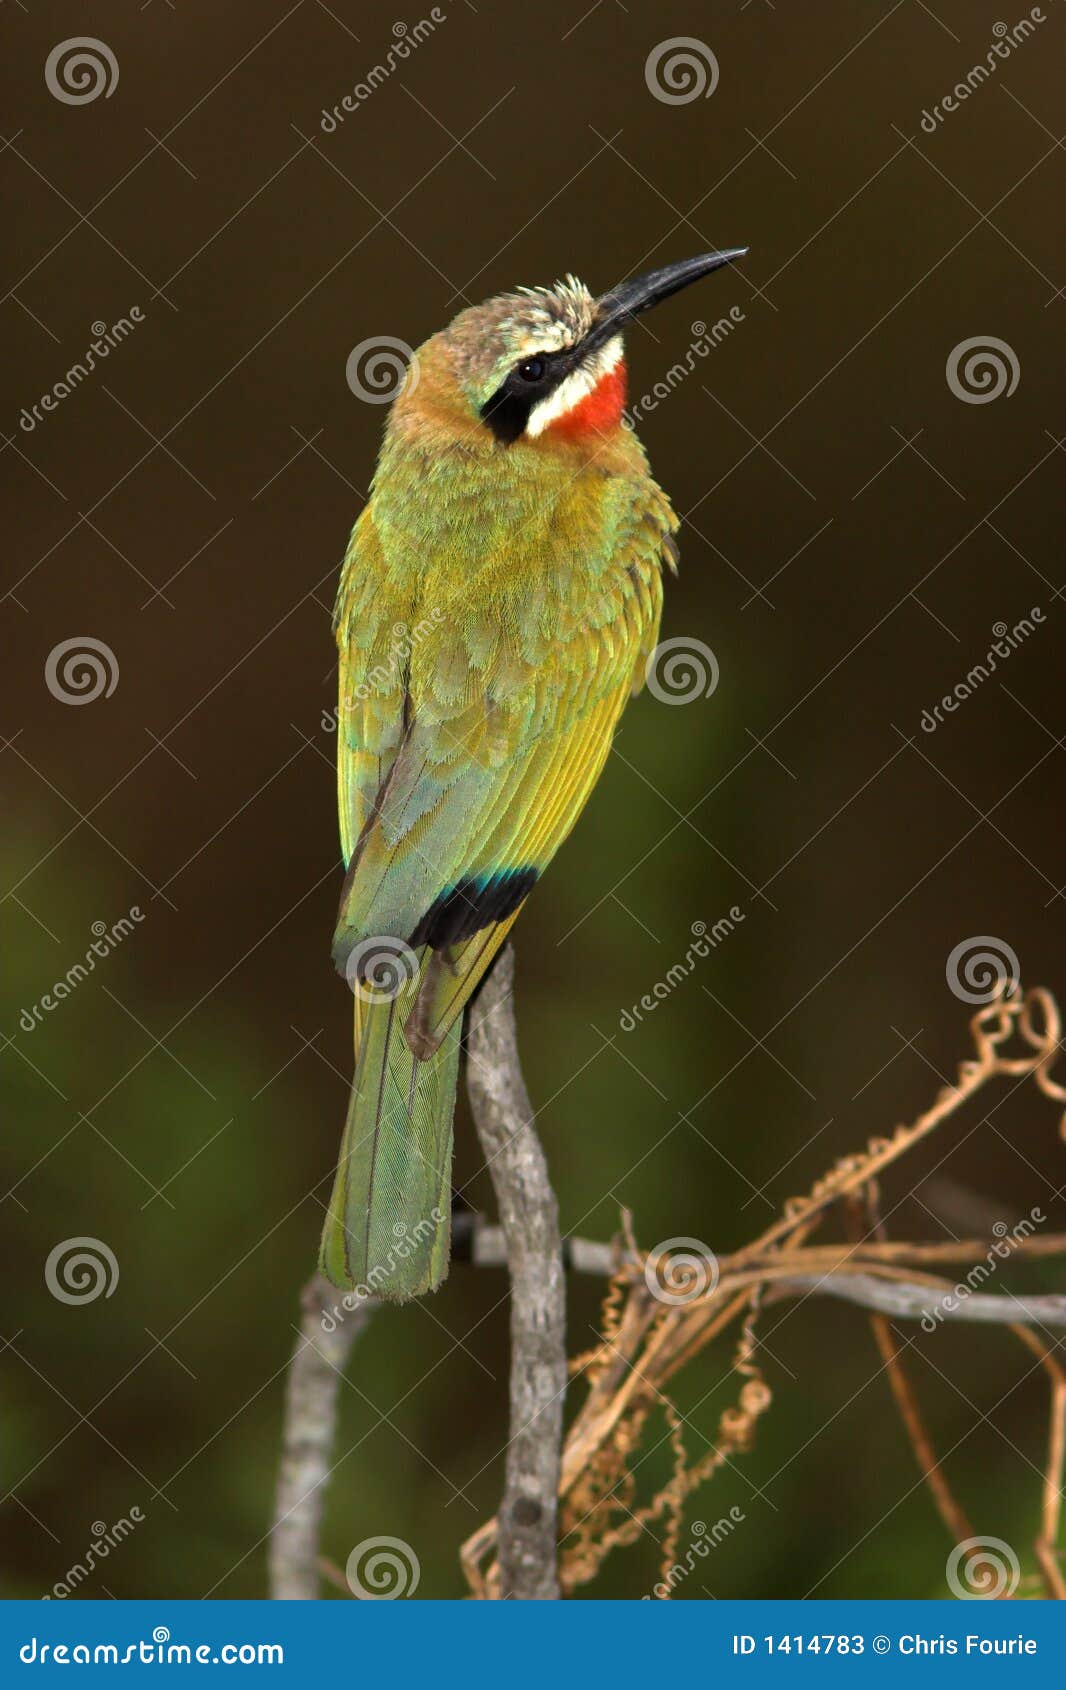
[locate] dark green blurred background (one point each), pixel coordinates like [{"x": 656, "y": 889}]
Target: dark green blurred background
[{"x": 185, "y": 1105}]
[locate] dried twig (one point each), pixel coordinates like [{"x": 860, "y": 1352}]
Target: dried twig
[
  {"x": 483, "y": 1244},
  {"x": 647, "y": 1337},
  {"x": 560, "y": 1518},
  {"x": 318, "y": 1360},
  {"x": 529, "y": 1217},
  {"x": 1051, "y": 1502}
]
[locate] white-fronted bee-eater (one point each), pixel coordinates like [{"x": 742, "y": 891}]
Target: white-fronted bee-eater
[{"x": 499, "y": 601}]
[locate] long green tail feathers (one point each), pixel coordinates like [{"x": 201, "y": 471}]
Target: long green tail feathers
[{"x": 388, "y": 1228}]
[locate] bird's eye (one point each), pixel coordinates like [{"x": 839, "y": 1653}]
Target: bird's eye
[{"x": 531, "y": 369}]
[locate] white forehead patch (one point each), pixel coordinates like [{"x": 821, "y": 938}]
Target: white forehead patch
[
  {"x": 574, "y": 387},
  {"x": 569, "y": 302},
  {"x": 550, "y": 336}
]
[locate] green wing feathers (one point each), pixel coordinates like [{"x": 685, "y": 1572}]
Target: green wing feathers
[{"x": 478, "y": 696}]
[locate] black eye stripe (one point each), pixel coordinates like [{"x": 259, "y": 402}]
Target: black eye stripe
[{"x": 508, "y": 410}]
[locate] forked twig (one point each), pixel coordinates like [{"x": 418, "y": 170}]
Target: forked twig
[
  {"x": 563, "y": 1513},
  {"x": 647, "y": 1338}
]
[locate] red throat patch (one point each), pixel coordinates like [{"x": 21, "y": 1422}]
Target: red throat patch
[{"x": 599, "y": 411}]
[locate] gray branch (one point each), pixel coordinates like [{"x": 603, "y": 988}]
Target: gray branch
[
  {"x": 486, "y": 1246},
  {"x": 318, "y": 1360},
  {"x": 915, "y": 1302},
  {"x": 528, "y": 1514},
  {"x": 483, "y": 1244}
]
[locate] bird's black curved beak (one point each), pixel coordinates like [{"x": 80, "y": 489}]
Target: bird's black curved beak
[{"x": 626, "y": 301}]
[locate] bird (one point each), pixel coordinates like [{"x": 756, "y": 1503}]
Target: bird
[{"x": 498, "y": 604}]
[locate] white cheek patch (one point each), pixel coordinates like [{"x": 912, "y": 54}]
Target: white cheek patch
[{"x": 574, "y": 388}]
